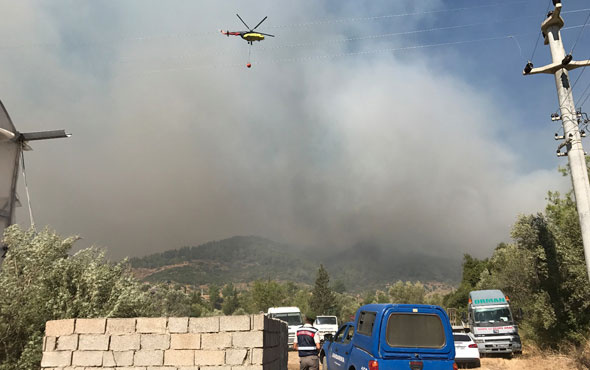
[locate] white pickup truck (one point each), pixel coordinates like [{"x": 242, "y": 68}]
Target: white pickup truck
[{"x": 326, "y": 325}]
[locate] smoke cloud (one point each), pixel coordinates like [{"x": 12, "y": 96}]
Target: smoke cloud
[{"x": 177, "y": 143}]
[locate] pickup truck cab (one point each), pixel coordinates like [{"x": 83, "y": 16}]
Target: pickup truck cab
[
  {"x": 391, "y": 337},
  {"x": 326, "y": 325}
]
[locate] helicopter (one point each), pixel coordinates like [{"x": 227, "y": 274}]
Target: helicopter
[{"x": 250, "y": 36}]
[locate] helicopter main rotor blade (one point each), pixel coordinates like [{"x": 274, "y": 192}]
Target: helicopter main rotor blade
[
  {"x": 266, "y": 34},
  {"x": 243, "y": 21},
  {"x": 263, "y": 19}
]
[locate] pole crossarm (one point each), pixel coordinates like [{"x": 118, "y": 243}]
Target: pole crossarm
[{"x": 554, "y": 67}]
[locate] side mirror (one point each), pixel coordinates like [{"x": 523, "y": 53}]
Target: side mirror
[{"x": 328, "y": 337}]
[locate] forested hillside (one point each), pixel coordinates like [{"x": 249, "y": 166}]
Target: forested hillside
[{"x": 245, "y": 259}]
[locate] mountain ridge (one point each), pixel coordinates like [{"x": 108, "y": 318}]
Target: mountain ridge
[{"x": 243, "y": 259}]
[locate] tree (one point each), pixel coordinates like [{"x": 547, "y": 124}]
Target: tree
[
  {"x": 407, "y": 292},
  {"x": 472, "y": 270},
  {"x": 322, "y": 298},
  {"x": 39, "y": 281},
  {"x": 215, "y": 299},
  {"x": 266, "y": 294},
  {"x": 230, "y": 299},
  {"x": 543, "y": 272},
  {"x": 339, "y": 287}
]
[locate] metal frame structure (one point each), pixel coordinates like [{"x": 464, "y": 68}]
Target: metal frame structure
[{"x": 12, "y": 144}]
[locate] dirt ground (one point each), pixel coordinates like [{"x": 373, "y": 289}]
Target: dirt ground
[{"x": 524, "y": 362}]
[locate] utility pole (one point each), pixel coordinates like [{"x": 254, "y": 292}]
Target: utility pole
[{"x": 572, "y": 138}]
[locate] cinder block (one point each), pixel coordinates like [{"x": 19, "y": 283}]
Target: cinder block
[
  {"x": 247, "y": 367},
  {"x": 120, "y": 326},
  {"x": 67, "y": 342},
  {"x": 209, "y": 358},
  {"x": 256, "y": 356},
  {"x": 49, "y": 343},
  {"x": 185, "y": 341},
  {"x": 215, "y": 340},
  {"x": 203, "y": 324},
  {"x": 193, "y": 368},
  {"x": 258, "y": 322},
  {"x": 131, "y": 368},
  {"x": 179, "y": 357},
  {"x": 147, "y": 358},
  {"x": 56, "y": 328},
  {"x": 236, "y": 356},
  {"x": 112, "y": 358},
  {"x": 234, "y": 323},
  {"x": 90, "y": 326},
  {"x": 91, "y": 342},
  {"x": 124, "y": 342},
  {"x": 178, "y": 324},
  {"x": 248, "y": 339},
  {"x": 155, "y": 341},
  {"x": 61, "y": 358},
  {"x": 215, "y": 368},
  {"x": 87, "y": 358},
  {"x": 151, "y": 325}
]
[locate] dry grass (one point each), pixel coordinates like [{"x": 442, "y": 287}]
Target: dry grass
[
  {"x": 532, "y": 358},
  {"x": 550, "y": 362}
]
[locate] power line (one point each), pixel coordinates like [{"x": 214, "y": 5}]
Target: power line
[
  {"x": 332, "y": 56},
  {"x": 377, "y": 17},
  {"x": 580, "y": 34},
  {"x": 225, "y": 52},
  {"x": 369, "y": 37}
]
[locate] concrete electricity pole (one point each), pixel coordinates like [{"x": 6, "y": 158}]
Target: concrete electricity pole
[{"x": 572, "y": 138}]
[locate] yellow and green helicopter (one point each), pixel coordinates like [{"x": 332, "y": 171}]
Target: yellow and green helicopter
[{"x": 250, "y": 36}]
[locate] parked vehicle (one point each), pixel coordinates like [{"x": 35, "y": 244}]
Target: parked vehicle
[
  {"x": 491, "y": 323},
  {"x": 326, "y": 325},
  {"x": 391, "y": 337},
  {"x": 466, "y": 351},
  {"x": 291, "y": 315}
]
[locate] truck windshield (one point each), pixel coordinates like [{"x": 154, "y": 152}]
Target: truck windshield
[
  {"x": 415, "y": 331},
  {"x": 292, "y": 319},
  {"x": 325, "y": 320},
  {"x": 492, "y": 315}
]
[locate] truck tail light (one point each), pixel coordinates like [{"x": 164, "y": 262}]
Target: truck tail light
[
  {"x": 455, "y": 367},
  {"x": 373, "y": 365},
  {"x": 473, "y": 345}
]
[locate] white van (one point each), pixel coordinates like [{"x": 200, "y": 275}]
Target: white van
[{"x": 291, "y": 315}]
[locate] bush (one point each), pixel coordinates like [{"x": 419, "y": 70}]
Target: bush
[{"x": 40, "y": 281}]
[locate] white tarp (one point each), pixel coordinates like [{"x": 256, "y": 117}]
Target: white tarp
[{"x": 9, "y": 156}]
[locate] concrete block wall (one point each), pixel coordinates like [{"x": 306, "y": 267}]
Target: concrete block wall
[{"x": 247, "y": 342}]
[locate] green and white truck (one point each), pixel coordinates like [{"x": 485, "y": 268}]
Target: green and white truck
[{"x": 491, "y": 322}]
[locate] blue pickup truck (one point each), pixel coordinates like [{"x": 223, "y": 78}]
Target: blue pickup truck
[{"x": 391, "y": 337}]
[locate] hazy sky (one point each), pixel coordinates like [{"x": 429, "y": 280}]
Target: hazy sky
[{"x": 344, "y": 130}]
